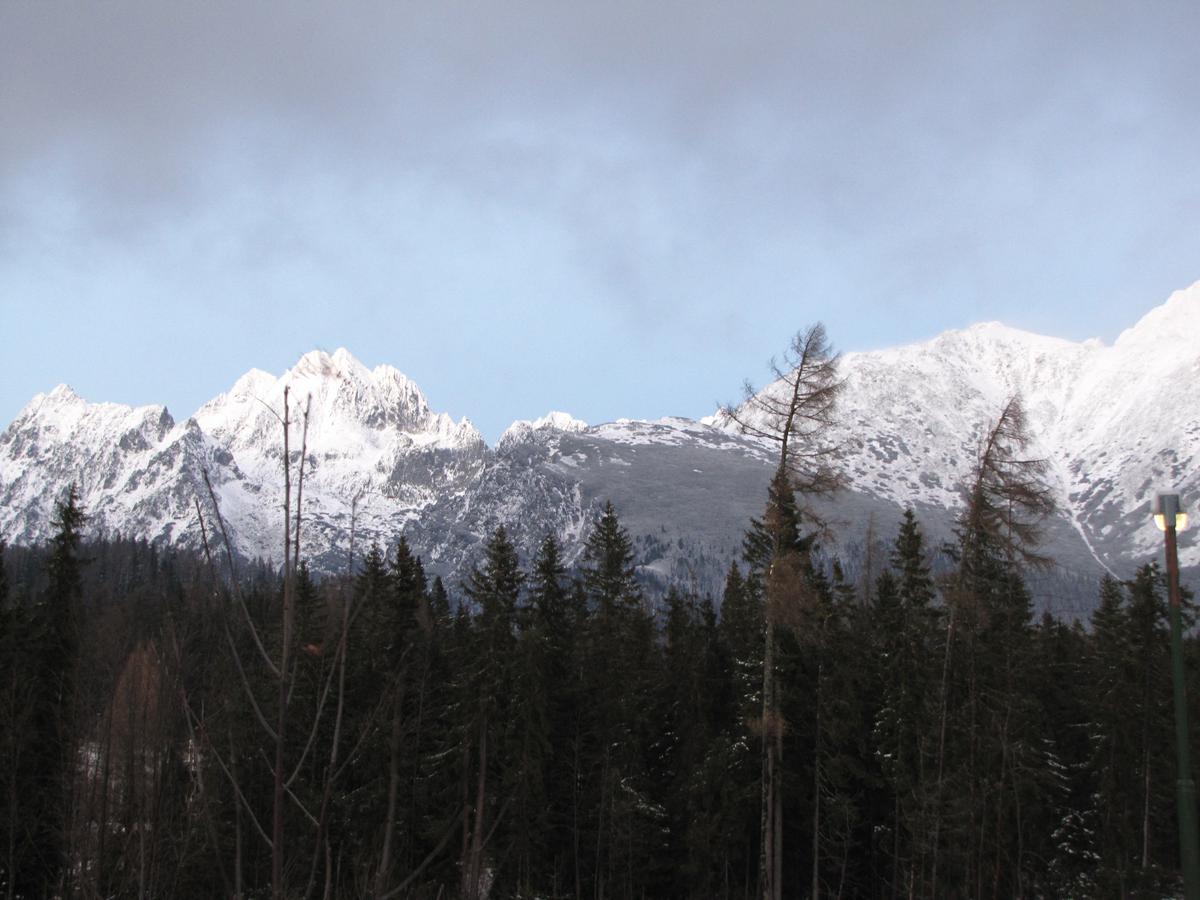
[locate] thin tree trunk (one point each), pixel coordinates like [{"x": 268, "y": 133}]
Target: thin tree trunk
[
  {"x": 575, "y": 810},
  {"x": 778, "y": 804},
  {"x": 237, "y": 825},
  {"x": 974, "y": 831},
  {"x": 845, "y": 861},
  {"x": 598, "y": 872},
  {"x": 1146, "y": 808},
  {"x": 389, "y": 825},
  {"x": 432, "y": 855},
  {"x": 277, "y": 846},
  {"x": 105, "y": 790},
  {"x": 816, "y": 840},
  {"x": 413, "y": 805},
  {"x": 464, "y": 853},
  {"x": 941, "y": 764},
  {"x": 198, "y": 768},
  {"x": 474, "y": 870},
  {"x": 771, "y": 819}
]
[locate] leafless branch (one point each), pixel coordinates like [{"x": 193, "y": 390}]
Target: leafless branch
[
  {"x": 216, "y": 755},
  {"x": 796, "y": 412},
  {"x": 433, "y": 854},
  {"x": 1008, "y": 499},
  {"x": 300, "y": 477},
  {"x": 237, "y": 660},
  {"x": 234, "y": 586}
]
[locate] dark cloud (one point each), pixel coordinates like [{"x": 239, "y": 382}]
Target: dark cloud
[
  {"x": 140, "y": 98},
  {"x": 661, "y": 163}
]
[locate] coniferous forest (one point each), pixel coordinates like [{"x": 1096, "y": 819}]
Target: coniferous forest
[{"x": 187, "y": 724}]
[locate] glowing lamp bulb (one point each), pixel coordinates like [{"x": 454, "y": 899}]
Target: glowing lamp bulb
[
  {"x": 1167, "y": 505},
  {"x": 1181, "y": 521}
]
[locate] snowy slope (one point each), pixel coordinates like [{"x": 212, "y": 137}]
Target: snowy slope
[
  {"x": 1117, "y": 423},
  {"x": 375, "y": 449}
]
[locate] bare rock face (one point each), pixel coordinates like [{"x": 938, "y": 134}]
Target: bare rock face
[{"x": 1117, "y": 424}]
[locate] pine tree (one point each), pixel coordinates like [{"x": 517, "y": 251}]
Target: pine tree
[
  {"x": 439, "y": 601},
  {"x": 1113, "y": 736},
  {"x": 407, "y": 621},
  {"x": 1063, "y": 819},
  {"x": 368, "y": 685},
  {"x": 906, "y": 623},
  {"x": 1150, "y": 669},
  {"x": 738, "y": 755},
  {"x": 609, "y": 572},
  {"x": 619, "y": 668},
  {"x": 553, "y": 716},
  {"x": 17, "y": 693},
  {"x": 435, "y": 791},
  {"x": 48, "y": 781},
  {"x": 491, "y": 747}
]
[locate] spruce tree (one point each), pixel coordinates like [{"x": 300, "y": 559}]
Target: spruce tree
[
  {"x": 16, "y": 751},
  {"x": 368, "y": 685},
  {"x": 49, "y": 779},
  {"x": 1150, "y": 669},
  {"x": 619, "y": 669},
  {"x": 609, "y": 572},
  {"x": 1113, "y": 735},
  {"x": 408, "y": 623},
  {"x": 738, "y": 752},
  {"x": 1063, "y": 819},
  {"x": 551, "y": 698},
  {"x": 492, "y": 744},
  {"x": 907, "y": 626}
]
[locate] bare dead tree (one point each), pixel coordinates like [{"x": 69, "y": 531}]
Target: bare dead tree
[
  {"x": 283, "y": 671},
  {"x": 342, "y": 749}
]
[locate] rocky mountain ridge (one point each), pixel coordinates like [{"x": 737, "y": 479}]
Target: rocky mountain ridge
[{"x": 1117, "y": 423}]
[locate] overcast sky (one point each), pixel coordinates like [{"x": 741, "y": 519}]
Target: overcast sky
[{"x": 615, "y": 209}]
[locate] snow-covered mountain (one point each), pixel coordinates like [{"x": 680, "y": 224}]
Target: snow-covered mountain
[{"x": 1117, "y": 423}]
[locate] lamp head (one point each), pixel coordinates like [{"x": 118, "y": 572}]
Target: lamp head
[{"x": 1166, "y": 508}]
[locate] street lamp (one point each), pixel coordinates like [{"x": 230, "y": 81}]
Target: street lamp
[{"x": 1169, "y": 518}]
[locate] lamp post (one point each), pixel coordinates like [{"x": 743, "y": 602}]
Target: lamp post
[{"x": 1169, "y": 517}]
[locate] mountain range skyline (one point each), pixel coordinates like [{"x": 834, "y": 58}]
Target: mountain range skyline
[
  {"x": 1116, "y": 423},
  {"x": 540, "y": 416}
]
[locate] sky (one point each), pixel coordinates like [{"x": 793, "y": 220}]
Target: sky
[{"x": 612, "y": 209}]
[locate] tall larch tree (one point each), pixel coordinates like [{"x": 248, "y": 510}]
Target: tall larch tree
[
  {"x": 1007, "y": 500},
  {"x": 796, "y": 413}
]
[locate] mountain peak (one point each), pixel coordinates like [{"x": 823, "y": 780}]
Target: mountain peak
[
  {"x": 1175, "y": 322},
  {"x": 339, "y": 364},
  {"x": 63, "y": 393},
  {"x": 559, "y": 421},
  {"x": 315, "y": 362},
  {"x": 523, "y": 429},
  {"x": 994, "y": 332},
  {"x": 253, "y": 384}
]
